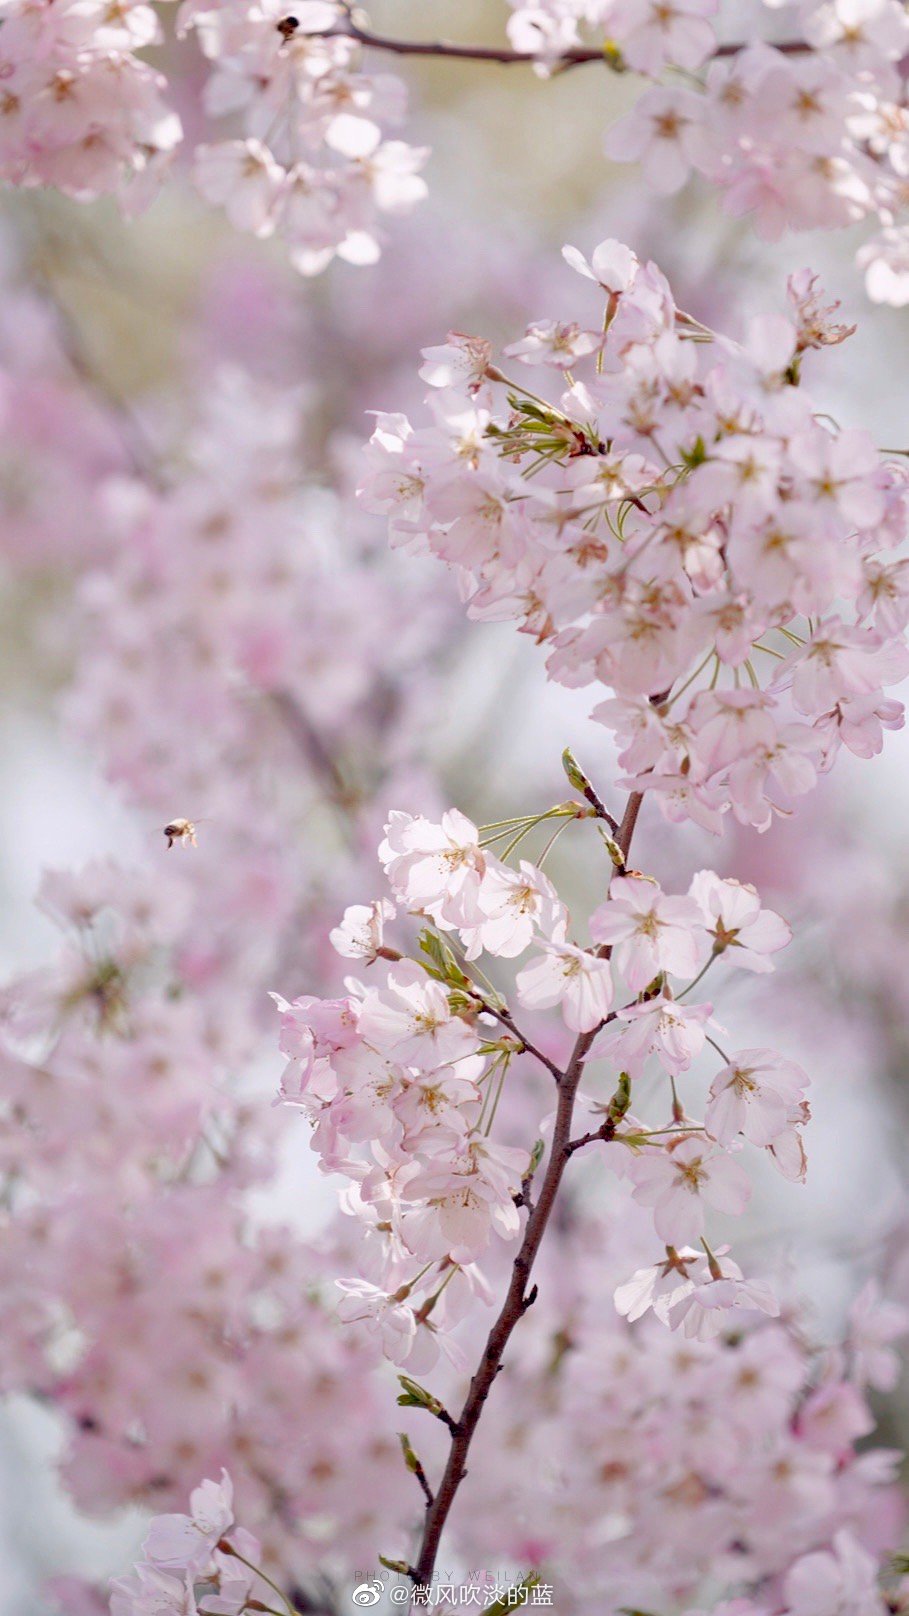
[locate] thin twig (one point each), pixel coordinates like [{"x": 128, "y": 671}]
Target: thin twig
[
  {"x": 524, "y": 1197},
  {"x": 599, "y": 807},
  {"x": 227, "y": 1547},
  {"x": 500, "y": 55},
  {"x": 503, "y": 1015},
  {"x": 606, "y": 1131},
  {"x": 575, "y": 56},
  {"x": 415, "y": 1467}
]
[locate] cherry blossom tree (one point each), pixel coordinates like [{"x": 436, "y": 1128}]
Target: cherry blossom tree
[{"x": 539, "y": 1107}]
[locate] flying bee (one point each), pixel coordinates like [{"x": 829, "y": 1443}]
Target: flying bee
[{"x": 180, "y": 830}]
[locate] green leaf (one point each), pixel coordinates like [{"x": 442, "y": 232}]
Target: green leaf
[
  {"x": 413, "y": 1395},
  {"x": 446, "y": 968},
  {"x": 528, "y": 407},
  {"x": 621, "y": 1100},
  {"x": 431, "y": 946},
  {"x": 577, "y": 779},
  {"x": 459, "y": 1001},
  {"x": 696, "y": 455},
  {"x": 612, "y": 847},
  {"x": 410, "y": 1459}
]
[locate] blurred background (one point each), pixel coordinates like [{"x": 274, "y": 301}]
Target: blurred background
[{"x": 123, "y": 342}]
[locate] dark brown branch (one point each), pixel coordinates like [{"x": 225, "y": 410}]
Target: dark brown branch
[
  {"x": 500, "y": 55},
  {"x": 518, "y": 1298},
  {"x": 579, "y": 781},
  {"x": 606, "y": 1131},
  {"x": 524, "y": 1197},
  {"x": 599, "y": 807},
  {"x": 416, "y": 1469},
  {"x": 503, "y": 1015},
  {"x": 786, "y": 47},
  {"x": 576, "y": 56}
]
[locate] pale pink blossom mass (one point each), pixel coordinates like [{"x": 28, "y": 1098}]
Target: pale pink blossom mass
[
  {"x": 696, "y": 541},
  {"x": 386, "y": 1187}
]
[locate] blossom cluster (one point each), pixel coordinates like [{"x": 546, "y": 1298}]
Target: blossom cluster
[
  {"x": 245, "y": 653},
  {"x": 84, "y": 113},
  {"x": 807, "y": 134},
  {"x": 131, "y": 1109},
  {"x": 122, "y": 1129},
  {"x": 742, "y": 1471},
  {"x": 202, "y": 1555},
  {"x": 682, "y": 526},
  {"x": 743, "y": 1468},
  {"x": 208, "y": 576},
  {"x": 313, "y": 164},
  {"x": 81, "y": 111},
  {"x": 402, "y": 1078}
]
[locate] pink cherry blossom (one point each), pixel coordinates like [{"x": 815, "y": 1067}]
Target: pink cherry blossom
[
  {"x": 150, "y": 1592},
  {"x": 411, "y": 1019},
  {"x": 704, "y": 1310},
  {"x": 664, "y": 133},
  {"x": 681, "y": 1182},
  {"x": 656, "y": 1287},
  {"x": 754, "y": 1095},
  {"x": 874, "y": 1324},
  {"x": 662, "y": 1027},
  {"x": 653, "y": 35},
  {"x": 828, "y": 1581},
  {"x": 243, "y": 177},
  {"x": 742, "y": 931},
  {"x": 548, "y": 343},
  {"x": 516, "y": 906},
  {"x": 612, "y": 265},
  {"x": 578, "y": 981},
  {"x": 393, "y": 1320},
  {"x": 435, "y": 868},
  {"x": 186, "y": 1542},
  {"x": 360, "y": 934},
  {"x": 648, "y": 932}
]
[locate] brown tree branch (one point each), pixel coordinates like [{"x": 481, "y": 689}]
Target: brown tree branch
[
  {"x": 518, "y": 1298},
  {"x": 502, "y": 56},
  {"x": 503, "y": 1015},
  {"x": 606, "y": 1131}
]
